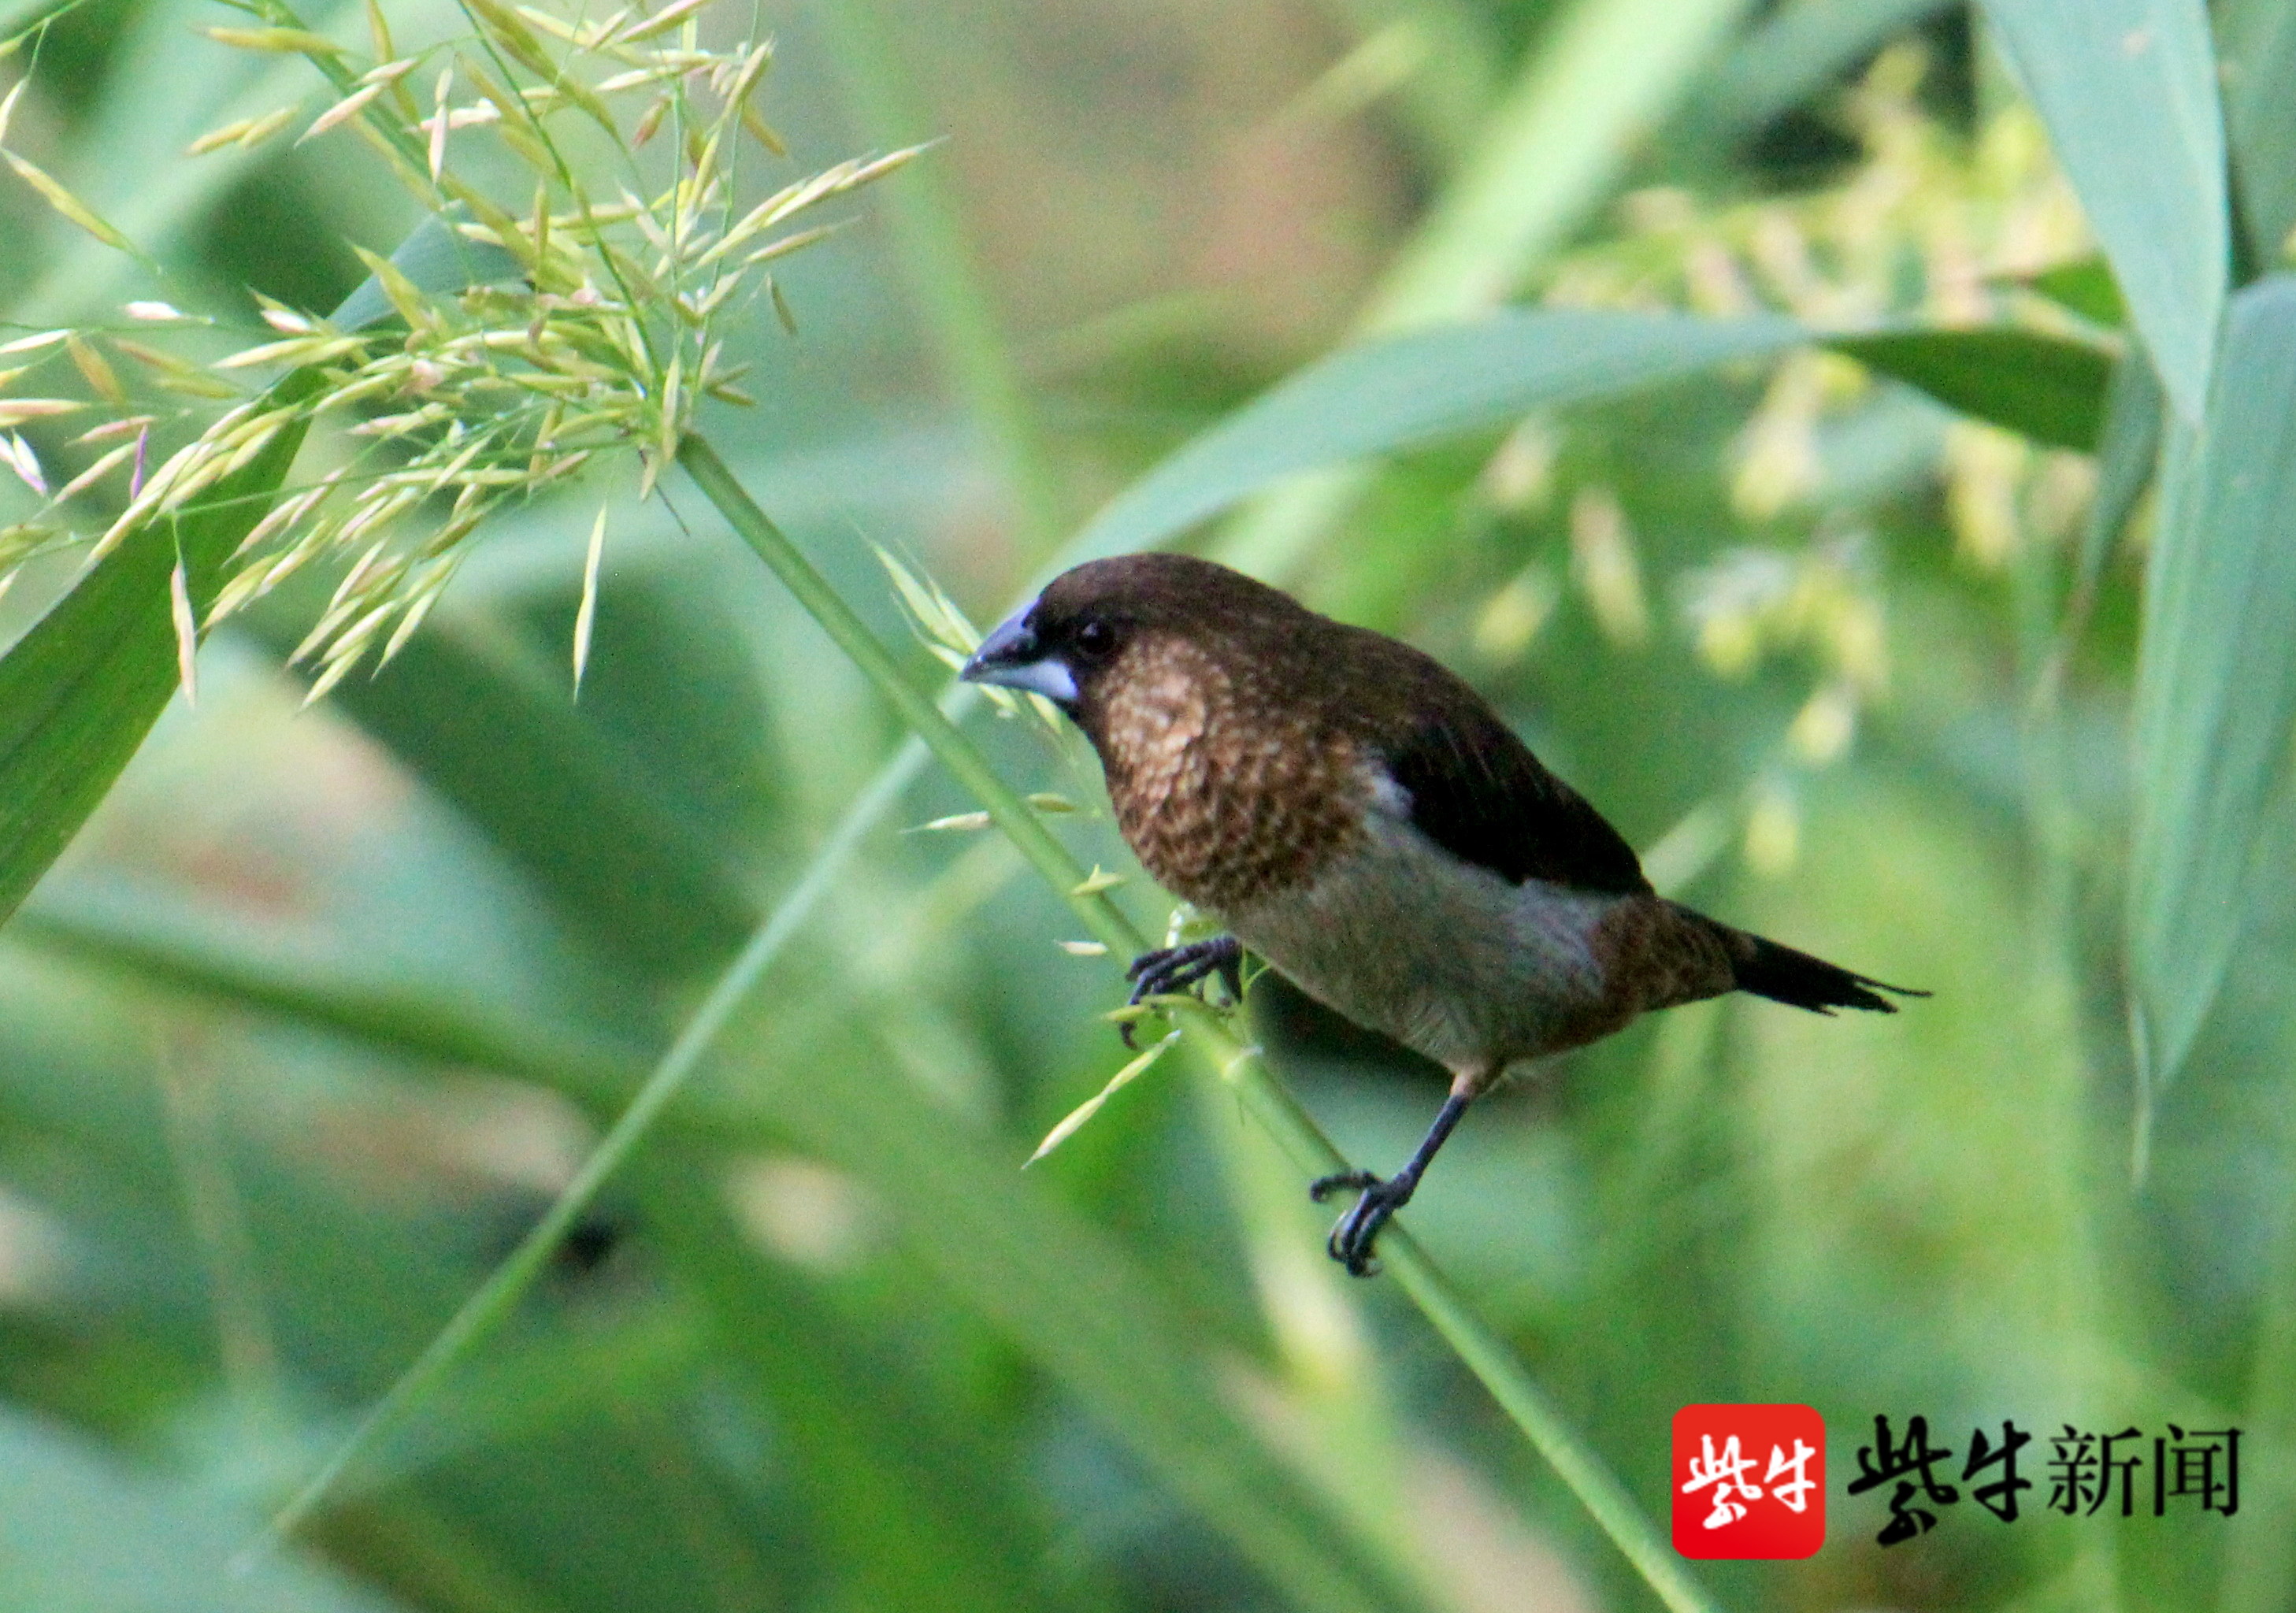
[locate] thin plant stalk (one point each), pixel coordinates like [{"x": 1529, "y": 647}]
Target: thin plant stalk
[{"x": 498, "y": 1295}]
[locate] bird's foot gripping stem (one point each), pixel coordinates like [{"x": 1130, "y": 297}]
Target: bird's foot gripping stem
[
  {"x": 1178, "y": 968},
  {"x": 1353, "y": 1234},
  {"x": 1351, "y": 1240}
]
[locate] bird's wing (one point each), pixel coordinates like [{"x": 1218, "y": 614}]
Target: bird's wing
[{"x": 1476, "y": 791}]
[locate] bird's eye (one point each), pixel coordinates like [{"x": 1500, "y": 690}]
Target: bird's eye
[{"x": 1095, "y": 636}]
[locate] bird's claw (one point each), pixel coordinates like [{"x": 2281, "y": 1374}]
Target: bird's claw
[
  {"x": 1175, "y": 969},
  {"x": 1354, "y": 1233}
]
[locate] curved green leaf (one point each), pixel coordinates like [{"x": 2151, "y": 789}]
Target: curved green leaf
[
  {"x": 2216, "y": 678},
  {"x": 1792, "y": 55},
  {"x": 2051, "y": 390},
  {"x": 81, "y": 1528},
  {"x": 79, "y": 692},
  {"x": 2085, "y": 286},
  {"x": 1412, "y": 389},
  {"x": 1408, "y": 391},
  {"x": 2129, "y": 90},
  {"x": 2128, "y": 450},
  {"x": 439, "y": 258},
  {"x": 2258, "y": 45}
]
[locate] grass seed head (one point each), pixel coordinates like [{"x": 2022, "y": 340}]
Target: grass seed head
[{"x": 601, "y": 340}]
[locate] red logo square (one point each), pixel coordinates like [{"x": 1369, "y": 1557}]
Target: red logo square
[{"x": 1749, "y": 1481}]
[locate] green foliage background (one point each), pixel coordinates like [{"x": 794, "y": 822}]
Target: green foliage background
[{"x": 1959, "y": 648}]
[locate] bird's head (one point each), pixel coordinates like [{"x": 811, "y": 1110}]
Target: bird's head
[{"x": 1107, "y": 620}]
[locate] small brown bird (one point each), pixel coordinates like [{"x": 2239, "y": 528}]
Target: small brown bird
[{"x": 1359, "y": 817}]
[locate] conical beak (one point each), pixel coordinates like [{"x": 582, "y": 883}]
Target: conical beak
[{"x": 1015, "y": 657}]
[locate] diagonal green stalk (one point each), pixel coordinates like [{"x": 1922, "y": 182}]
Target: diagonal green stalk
[
  {"x": 1239, "y": 1066},
  {"x": 494, "y": 1300}
]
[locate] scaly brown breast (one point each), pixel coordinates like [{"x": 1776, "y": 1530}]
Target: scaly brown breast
[{"x": 1224, "y": 795}]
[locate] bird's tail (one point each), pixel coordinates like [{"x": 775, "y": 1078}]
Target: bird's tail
[{"x": 1785, "y": 975}]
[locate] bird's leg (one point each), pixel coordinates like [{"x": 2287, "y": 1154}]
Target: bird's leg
[
  {"x": 1352, "y": 1238},
  {"x": 1175, "y": 969}
]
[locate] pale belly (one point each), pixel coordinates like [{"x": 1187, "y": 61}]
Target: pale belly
[{"x": 1445, "y": 957}]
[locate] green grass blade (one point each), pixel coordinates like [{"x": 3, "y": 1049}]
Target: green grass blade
[
  {"x": 1412, "y": 389},
  {"x": 438, "y": 258},
  {"x": 1079, "y": 1307},
  {"x": 2128, "y": 450},
  {"x": 478, "y": 717},
  {"x": 2084, "y": 287},
  {"x": 2215, "y": 679},
  {"x": 244, "y": 964},
  {"x": 165, "y": 87},
  {"x": 1415, "y": 388},
  {"x": 92, "y": 1526},
  {"x": 2257, "y": 41},
  {"x": 79, "y": 692},
  {"x": 2051, "y": 390},
  {"x": 2128, "y": 90},
  {"x": 1456, "y": 74},
  {"x": 1792, "y": 55},
  {"x": 1019, "y": 1262},
  {"x": 917, "y": 1514}
]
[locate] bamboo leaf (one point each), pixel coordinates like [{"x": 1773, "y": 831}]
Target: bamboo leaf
[
  {"x": 2126, "y": 451},
  {"x": 2257, "y": 43},
  {"x": 2084, "y": 287},
  {"x": 1413, "y": 389},
  {"x": 80, "y": 690},
  {"x": 435, "y": 258},
  {"x": 2051, "y": 390},
  {"x": 1792, "y": 54},
  {"x": 2128, "y": 90},
  {"x": 2216, "y": 681}
]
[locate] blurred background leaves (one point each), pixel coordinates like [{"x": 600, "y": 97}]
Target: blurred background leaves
[{"x": 324, "y": 1007}]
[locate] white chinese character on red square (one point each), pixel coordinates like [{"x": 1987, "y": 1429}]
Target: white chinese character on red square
[{"x": 1749, "y": 1481}]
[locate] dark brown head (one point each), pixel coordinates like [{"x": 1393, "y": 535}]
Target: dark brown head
[
  {"x": 1109, "y": 620},
  {"x": 1220, "y": 709}
]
